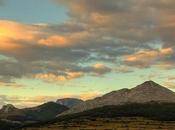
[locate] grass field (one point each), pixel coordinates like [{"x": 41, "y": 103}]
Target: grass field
[{"x": 133, "y": 123}]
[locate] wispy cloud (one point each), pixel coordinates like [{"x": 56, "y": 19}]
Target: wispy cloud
[{"x": 147, "y": 58}]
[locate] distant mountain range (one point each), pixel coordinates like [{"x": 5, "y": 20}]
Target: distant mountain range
[
  {"x": 147, "y": 92},
  {"x": 42, "y": 112},
  {"x": 146, "y": 100}
]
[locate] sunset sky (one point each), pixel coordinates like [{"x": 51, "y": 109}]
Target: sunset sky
[{"x": 52, "y": 49}]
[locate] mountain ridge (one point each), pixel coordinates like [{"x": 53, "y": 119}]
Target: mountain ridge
[
  {"x": 42, "y": 112},
  {"x": 143, "y": 93},
  {"x": 69, "y": 102}
]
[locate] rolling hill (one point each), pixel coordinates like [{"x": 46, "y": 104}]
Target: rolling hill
[{"x": 42, "y": 112}]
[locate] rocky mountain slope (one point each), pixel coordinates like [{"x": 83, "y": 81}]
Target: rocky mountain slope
[
  {"x": 69, "y": 102},
  {"x": 146, "y": 92}
]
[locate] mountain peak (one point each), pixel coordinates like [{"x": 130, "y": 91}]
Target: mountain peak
[
  {"x": 8, "y": 108},
  {"x": 146, "y": 92},
  {"x": 150, "y": 82},
  {"x": 149, "y": 85},
  {"x": 151, "y": 88}
]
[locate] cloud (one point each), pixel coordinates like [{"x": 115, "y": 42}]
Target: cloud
[
  {"x": 54, "y": 77},
  {"x": 142, "y": 28},
  {"x": 171, "y": 78},
  {"x": 123, "y": 69},
  {"x": 2, "y": 100},
  {"x": 57, "y": 41},
  {"x": 127, "y": 33},
  {"x": 68, "y": 40},
  {"x": 32, "y": 52},
  {"x": 9, "y": 83},
  {"x": 148, "y": 58},
  {"x": 78, "y": 72},
  {"x": 170, "y": 85},
  {"x": 89, "y": 95},
  {"x": 23, "y": 102},
  {"x": 12, "y": 32},
  {"x": 165, "y": 66},
  {"x": 100, "y": 69}
]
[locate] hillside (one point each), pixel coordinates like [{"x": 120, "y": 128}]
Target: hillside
[
  {"x": 69, "y": 102},
  {"x": 147, "y": 101},
  {"x": 146, "y": 92},
  {"x": 9, "y": 125},
  {"x": 154, "y": 112},
  {"x": 42, "y": 112}
]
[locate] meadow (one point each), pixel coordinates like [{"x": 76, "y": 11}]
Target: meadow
[{"x": 123, "y": 123}]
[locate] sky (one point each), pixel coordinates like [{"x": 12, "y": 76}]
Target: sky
[{"x": 51, "y": 49}]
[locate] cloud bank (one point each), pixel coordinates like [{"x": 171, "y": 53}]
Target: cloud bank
[{"x": 99, "y": 36}]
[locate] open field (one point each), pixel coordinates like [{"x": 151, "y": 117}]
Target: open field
[{"x": 133, "y": 123}]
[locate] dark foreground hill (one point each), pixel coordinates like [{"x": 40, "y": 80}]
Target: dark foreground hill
[
  {"x": 9, "y": 125},
  {"x": 12, "y": 118},
  {"x": 42, "y": 112},
  {"x": 160, "y": 112}
]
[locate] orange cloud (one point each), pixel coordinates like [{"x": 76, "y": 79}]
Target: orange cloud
[
  {"x": 59, "y": 41},
  {"x": 70, "y": 40},
  {"x": 54, "y": 77},
  {"x": 10, "y": 32},
  {"x": 100, "y": 69},
  {"x": 99, "y": 66},
  {"x": 8, "y": 45},
  {"x": 89, "y": 95},
  {"x": 50, "y": 77},
  {"x": 142, "y": 55},
  {"x": 170, "y": 85},
  {"x": 73, "y": 75},
  {"x": 171, "y": 78},
  {"x": 13, "y": 30},
  {"x": 165, "y": 66},
  {"x": 99, "y": 19},
  {"x": 166, "y": 51}
]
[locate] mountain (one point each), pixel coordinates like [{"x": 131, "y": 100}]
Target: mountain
[
  {"x": 148, "y": 101},
  {"x": 135, "y": 116},
  {"x": 147, "y": 92},
  {"x": 45, "y": 111},
  {"x": 42, "y": 112},
  {"x": 69, "y": 102},
  {"x": 7, "y": 109}
]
